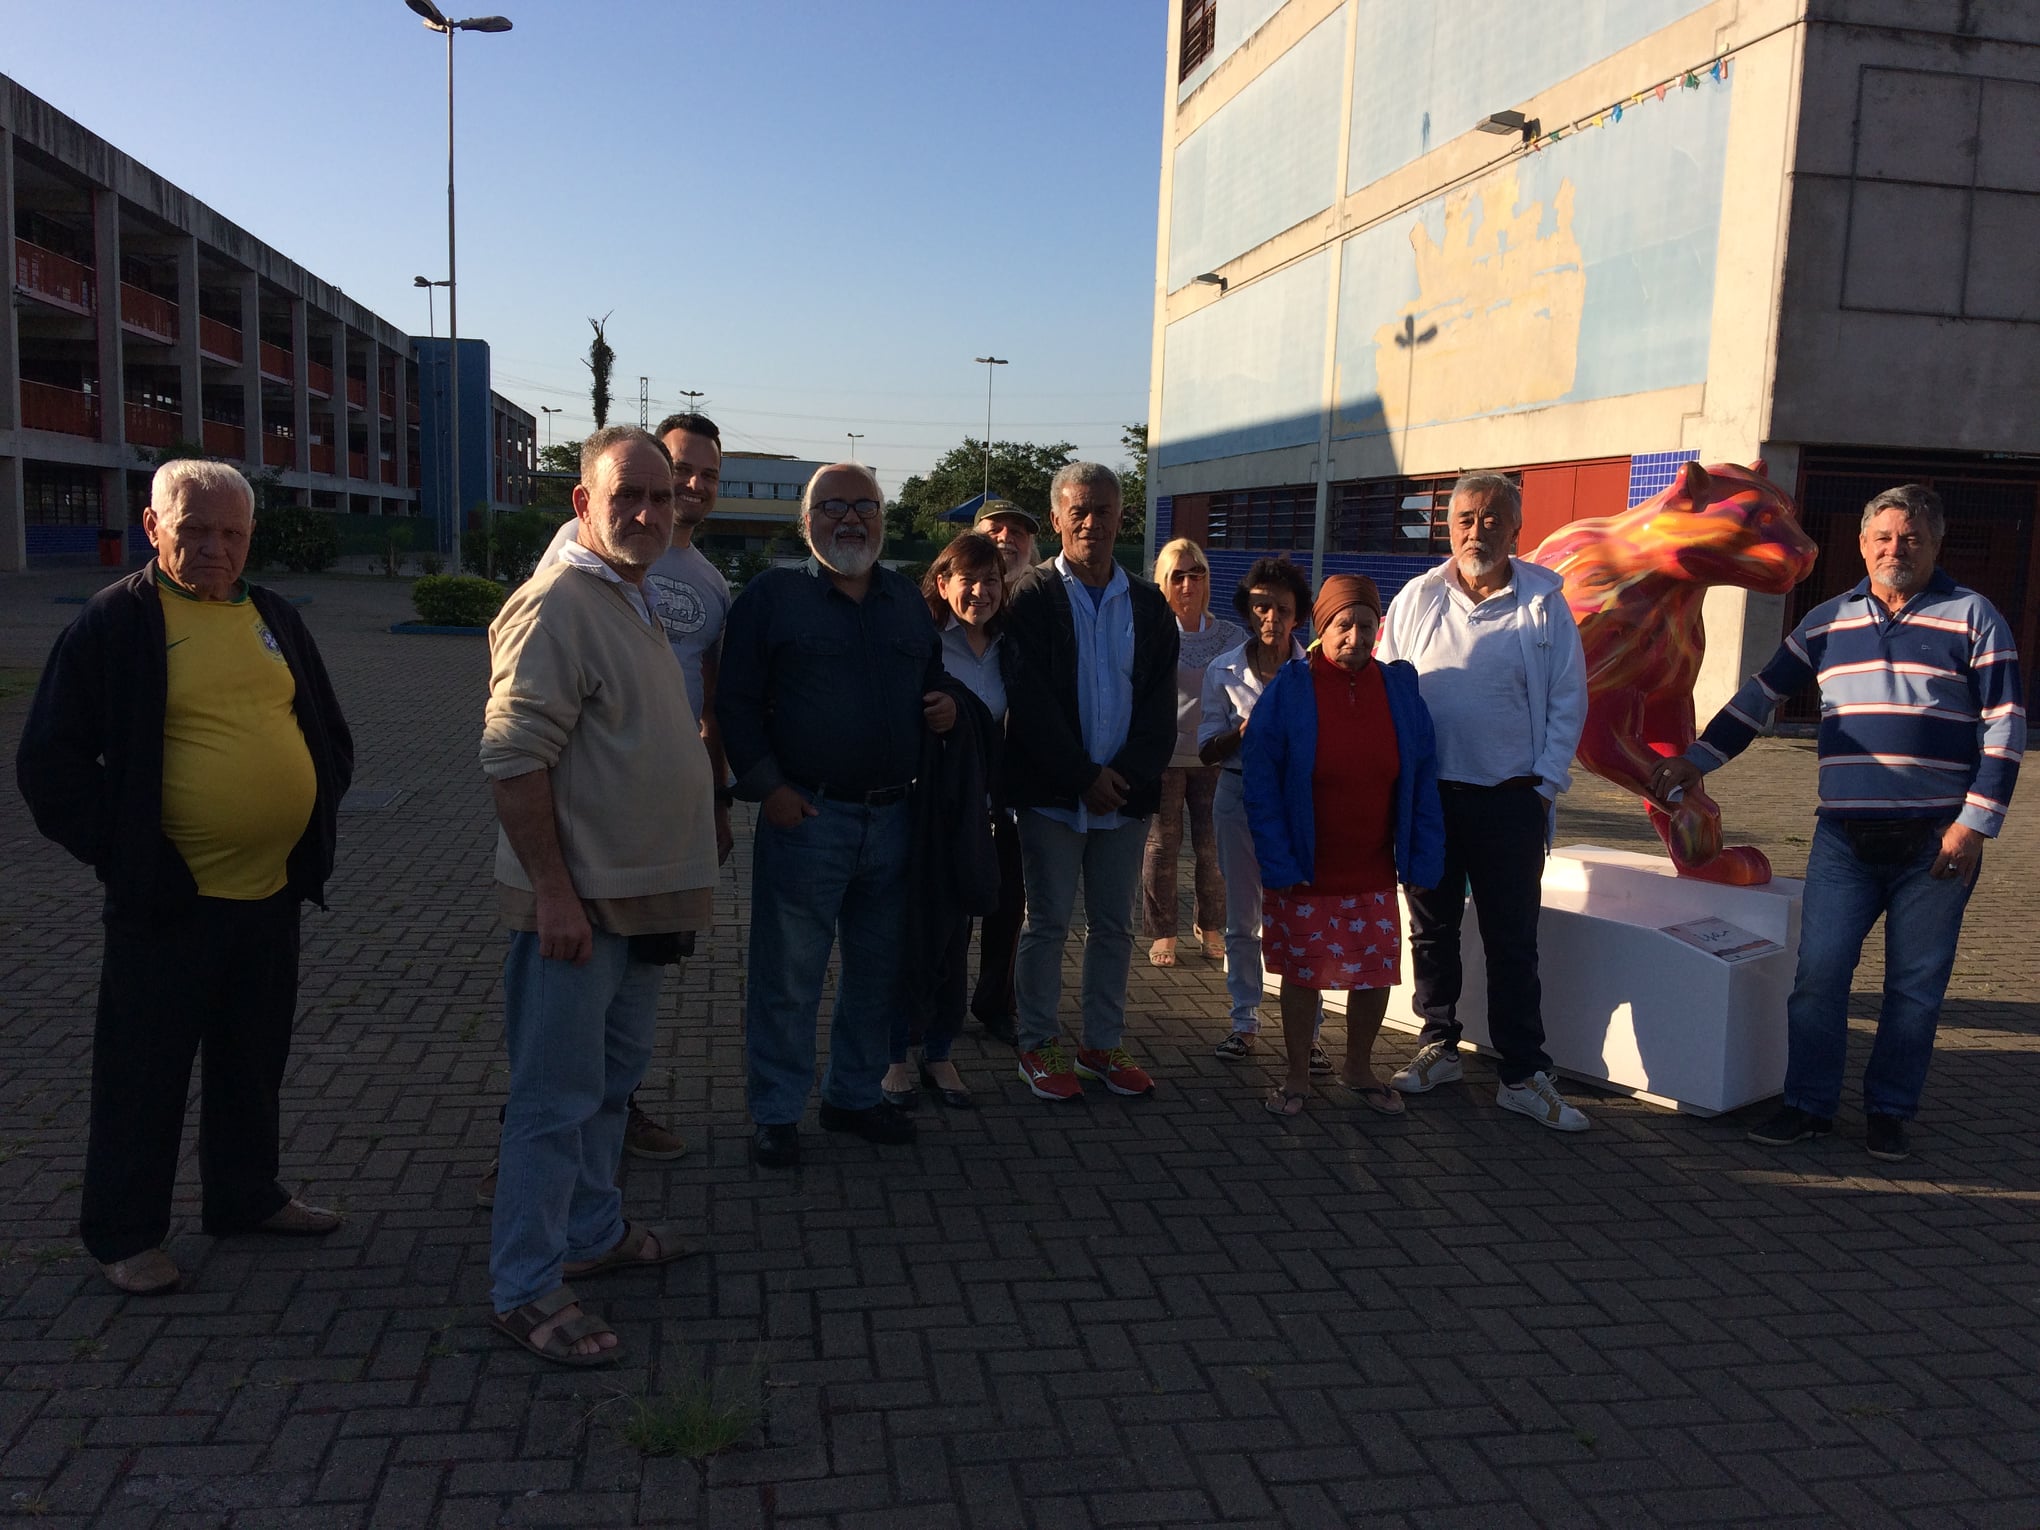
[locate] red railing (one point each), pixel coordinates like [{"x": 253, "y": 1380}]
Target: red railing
[
  {"x": 65, "y": 410},
  {"x": 220, "y": 341},
  {"x": 152, "y": 427},
  {"x": 142, "y": 310},
  {"x": 414, "y": 472},
  {"x": 413, "y": 411},
  {"x": 224, "y": 440},
  {"x": 386, "y": 404},
  {"x": 276, "y": 362},
  {"x": 58, "y": 278},
  {"x": 278, "y": 451},
  {"x": 322, "y": 457},
  {"x": 389, "y": 472},
  {"x": 357, "y": 392},
  {"x": 319, "y": 379},
  {"x": 357, "y": 464}
]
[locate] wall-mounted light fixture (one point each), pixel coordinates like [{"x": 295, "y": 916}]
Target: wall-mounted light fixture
[
  {"x": 1213, "y": 279},
  {"x": 1509, "y": 122}
]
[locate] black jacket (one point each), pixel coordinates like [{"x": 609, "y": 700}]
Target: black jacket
[
  {"x": 1046, "y": 764},
  {"x": 91, "y": 759}
]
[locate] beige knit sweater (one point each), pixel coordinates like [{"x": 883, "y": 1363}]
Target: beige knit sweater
[{"x": 581, "y": 685}]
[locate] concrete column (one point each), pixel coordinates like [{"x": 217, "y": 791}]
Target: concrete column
[
  {"x": 300, "y": 387},
  {"x": 10, "y": 328},
  {"x": 191, "y": 376},
  {"x": 372, "y": 420},
  {"x": 251, "y": 368},
  {"x": 13, "y": 517},
  {"x": 401, "y": 422},
  {"x": 106, "y": 273},
  {"x": 343, "y": 414}
]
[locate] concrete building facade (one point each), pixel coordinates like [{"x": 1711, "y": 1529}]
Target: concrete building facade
[
  {"x": 1795, "y": 231},
  {"x": 759, "y": 498}
]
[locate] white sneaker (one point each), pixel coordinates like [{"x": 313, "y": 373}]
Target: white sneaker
[
  {"x": 1537, "y": 1098},
  {"x": 1437, "y": 1063}
]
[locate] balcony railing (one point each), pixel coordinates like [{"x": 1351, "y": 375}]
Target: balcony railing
[
  {"x": 224, "y": 440},
  {"x": 278, "y": 451},
  {"x": 64, "y": 410},
  {"x": 146, "y": 313},
  {"x": 322, "y": 457},
  {"x": 55, "y": 278},
  {"x": 357, "y": 392},
  {"x": 220, "y": 341},
  {"x": 152, "y": 427},
  {"x": 319, "y": 379},
  {"x": 357, "y": 464},
  {"x": 386, "y": 405},
  {"x": 276, "y": 362},
  {"x": 413, "y": 411},
  {"x": 389, "y": 472}
]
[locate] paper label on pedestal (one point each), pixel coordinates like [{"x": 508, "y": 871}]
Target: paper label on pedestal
[{"x": 1718, "y": 938}]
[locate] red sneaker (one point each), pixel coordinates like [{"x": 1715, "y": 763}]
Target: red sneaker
[
  {"x": 1046, "y": 1071},
  {"x": 1115, "y": 1068}
]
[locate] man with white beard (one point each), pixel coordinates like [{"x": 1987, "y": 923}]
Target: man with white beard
[
  {"x": 1499, "y": 666},
  {"x": 829, "y": 673}
]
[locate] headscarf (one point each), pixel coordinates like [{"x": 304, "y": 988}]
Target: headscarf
[{"x": 1339, "y": 592}]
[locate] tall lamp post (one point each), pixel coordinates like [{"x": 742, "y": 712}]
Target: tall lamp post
[
  {"x": 436, "y": 20},
  {"x": 988, "y": 362},
  {"x": 549, "y": 411},
  {"x": 431, "y": 323},
  {"x": 855, "y": 436}
]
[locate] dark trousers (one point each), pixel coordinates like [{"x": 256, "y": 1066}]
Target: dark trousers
[
  {"x": 938, "y": 1015},
  {"x": 1494, "y": 842},
  {"x": 999, "y": 933},
  {"x": 222, "y": 977}
]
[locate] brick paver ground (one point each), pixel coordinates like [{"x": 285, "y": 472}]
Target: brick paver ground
[{"x": 1120, "y": 1313}]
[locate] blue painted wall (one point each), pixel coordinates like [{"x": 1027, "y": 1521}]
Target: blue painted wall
[{"x": 476, "y": 446}]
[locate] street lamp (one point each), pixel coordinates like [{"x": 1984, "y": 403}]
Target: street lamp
[
  {"x": 436, "y": 20},
  {"x": 694, "y": 396},
  {"x": 549, "y": 411},
  {"x": 988, "y": 362},
  {"x": 431, "y": 324},
  {"x": 855, "y": 436}
]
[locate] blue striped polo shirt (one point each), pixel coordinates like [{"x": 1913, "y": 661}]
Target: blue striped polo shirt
[{"x": 1922, "y": 713}]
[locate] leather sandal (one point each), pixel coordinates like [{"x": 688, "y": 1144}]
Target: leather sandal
[
  {"x": 629, "y": 1252},
  {"x": 1285, "y": 1102},
  {"x": 149, "y": 1273},
  {"x": 518, "y": 1326}
]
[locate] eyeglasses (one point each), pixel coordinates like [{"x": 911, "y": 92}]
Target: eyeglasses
[
  {"x": 837, "y": 509},
  {"x": 1186, "y": 573}
]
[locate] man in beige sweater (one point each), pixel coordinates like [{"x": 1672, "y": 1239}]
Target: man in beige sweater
[{"x": 605, "y": 868}]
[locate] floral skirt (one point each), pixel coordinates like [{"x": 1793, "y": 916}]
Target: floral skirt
[{"x": 1336, "y": 941}]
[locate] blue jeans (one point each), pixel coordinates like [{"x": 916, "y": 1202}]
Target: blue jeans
[
  {"x": 839, "y": 876},
  {"x": 1923, "y": 919},
  {"x": 1053, "y": 856},
  {"x": 579, "y": 1039}
]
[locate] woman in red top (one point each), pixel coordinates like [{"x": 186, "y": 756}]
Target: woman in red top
[{"x": 1341, "y": 788}]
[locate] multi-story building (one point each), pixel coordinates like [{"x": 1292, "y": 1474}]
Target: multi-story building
[
  {"x": 1586, "y": 240},
  {"x": 759, "y": 499},
  {"x": 144, "y": 321}
]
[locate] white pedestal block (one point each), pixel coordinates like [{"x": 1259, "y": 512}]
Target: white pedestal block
[{"x": 1634, "y": 1009}]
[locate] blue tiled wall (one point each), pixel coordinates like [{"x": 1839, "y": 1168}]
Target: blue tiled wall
[{"x": 1650, "y": 472}]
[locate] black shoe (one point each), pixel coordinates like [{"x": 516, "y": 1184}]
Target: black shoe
[
  {"x": 1885, "y": 1137},
  {"x": 776, "y": 1146},
  {"x": 901, "y": 1099},
  {"x": 955, "y": 1099},
  {"x": 1790, "y": 1125},
  {"x": 1000, "y": 1028},
  {"x": 886, "y": 1125}
]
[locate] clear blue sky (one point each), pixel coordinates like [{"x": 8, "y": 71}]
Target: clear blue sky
[{"x": 816, "y": 213}]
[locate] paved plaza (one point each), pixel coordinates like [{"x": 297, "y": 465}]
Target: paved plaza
[{"x": 1162, "y": 1311}]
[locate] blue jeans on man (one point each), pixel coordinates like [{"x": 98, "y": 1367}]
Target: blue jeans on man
[
  {"x": 579, "y": 1040},
  {"x": 1922, "y": 921},
  {"x": 839, "y": 877},
  {"x": 1108, "y": 860}
]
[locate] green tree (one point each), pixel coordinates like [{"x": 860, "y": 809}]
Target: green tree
[
  {"x": 1020, "y": 472},
  {"x": 1133, "y": 482},
  {"x": 563, "y": 458},
  {"x": 600, "y": 363}
]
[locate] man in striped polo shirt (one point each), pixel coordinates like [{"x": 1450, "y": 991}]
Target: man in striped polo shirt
[{"x": 1922, "y": 727}]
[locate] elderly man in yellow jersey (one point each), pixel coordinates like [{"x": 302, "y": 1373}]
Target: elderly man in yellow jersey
[{"x": 186, "y": 744}]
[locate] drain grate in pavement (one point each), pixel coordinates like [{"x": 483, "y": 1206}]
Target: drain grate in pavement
[{"x": 365, "y": 800}]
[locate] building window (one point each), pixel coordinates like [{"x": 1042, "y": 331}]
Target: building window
[
  {"x": 789, "y": 491},
  {"x": 1264, "y": 520},
  {"x": 1200, "y": 19},
  {"x": 1390, "y": 515},
  {"x": 733, "y": 488},
  {"x": 55, "y": 495}
]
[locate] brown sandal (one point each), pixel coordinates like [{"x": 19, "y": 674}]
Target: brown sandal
[
  {"x": 1285, "y": 1102},
  {"x": 518, "y": 1326},
  {"x": 1380, "y": 1098},
  {"x": 629, "y": 1252}
]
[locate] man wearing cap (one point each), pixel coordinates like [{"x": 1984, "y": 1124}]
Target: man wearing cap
[
  {"x": 1013, "y": 531},
  {"x": 1499, "y": 665}
]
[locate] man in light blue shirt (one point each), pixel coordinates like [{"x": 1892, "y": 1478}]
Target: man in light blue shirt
[{"x": 1091, "y": 726}]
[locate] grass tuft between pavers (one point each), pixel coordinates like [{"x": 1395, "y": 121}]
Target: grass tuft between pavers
[{"x": 696, "y": 1420}]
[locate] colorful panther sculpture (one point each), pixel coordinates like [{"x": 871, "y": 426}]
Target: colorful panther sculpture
[{"x": 1635, "y": 584}]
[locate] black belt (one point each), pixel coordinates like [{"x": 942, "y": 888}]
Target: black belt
[
  {"x": 885, "y": 796},
  {"x": 1513, "y": 784}
]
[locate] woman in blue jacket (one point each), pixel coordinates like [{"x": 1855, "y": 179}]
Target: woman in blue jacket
[{"x": 1341, "y": 787}]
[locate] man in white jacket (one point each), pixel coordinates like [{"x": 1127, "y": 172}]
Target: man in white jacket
[{"x": 1500, "y": 667}]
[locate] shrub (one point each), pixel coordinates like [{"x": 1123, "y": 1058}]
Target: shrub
[
  {"x": 300, "y": 540},
  {"x": 522, "y": 536},
  {"x": 453, "y": 600}
]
